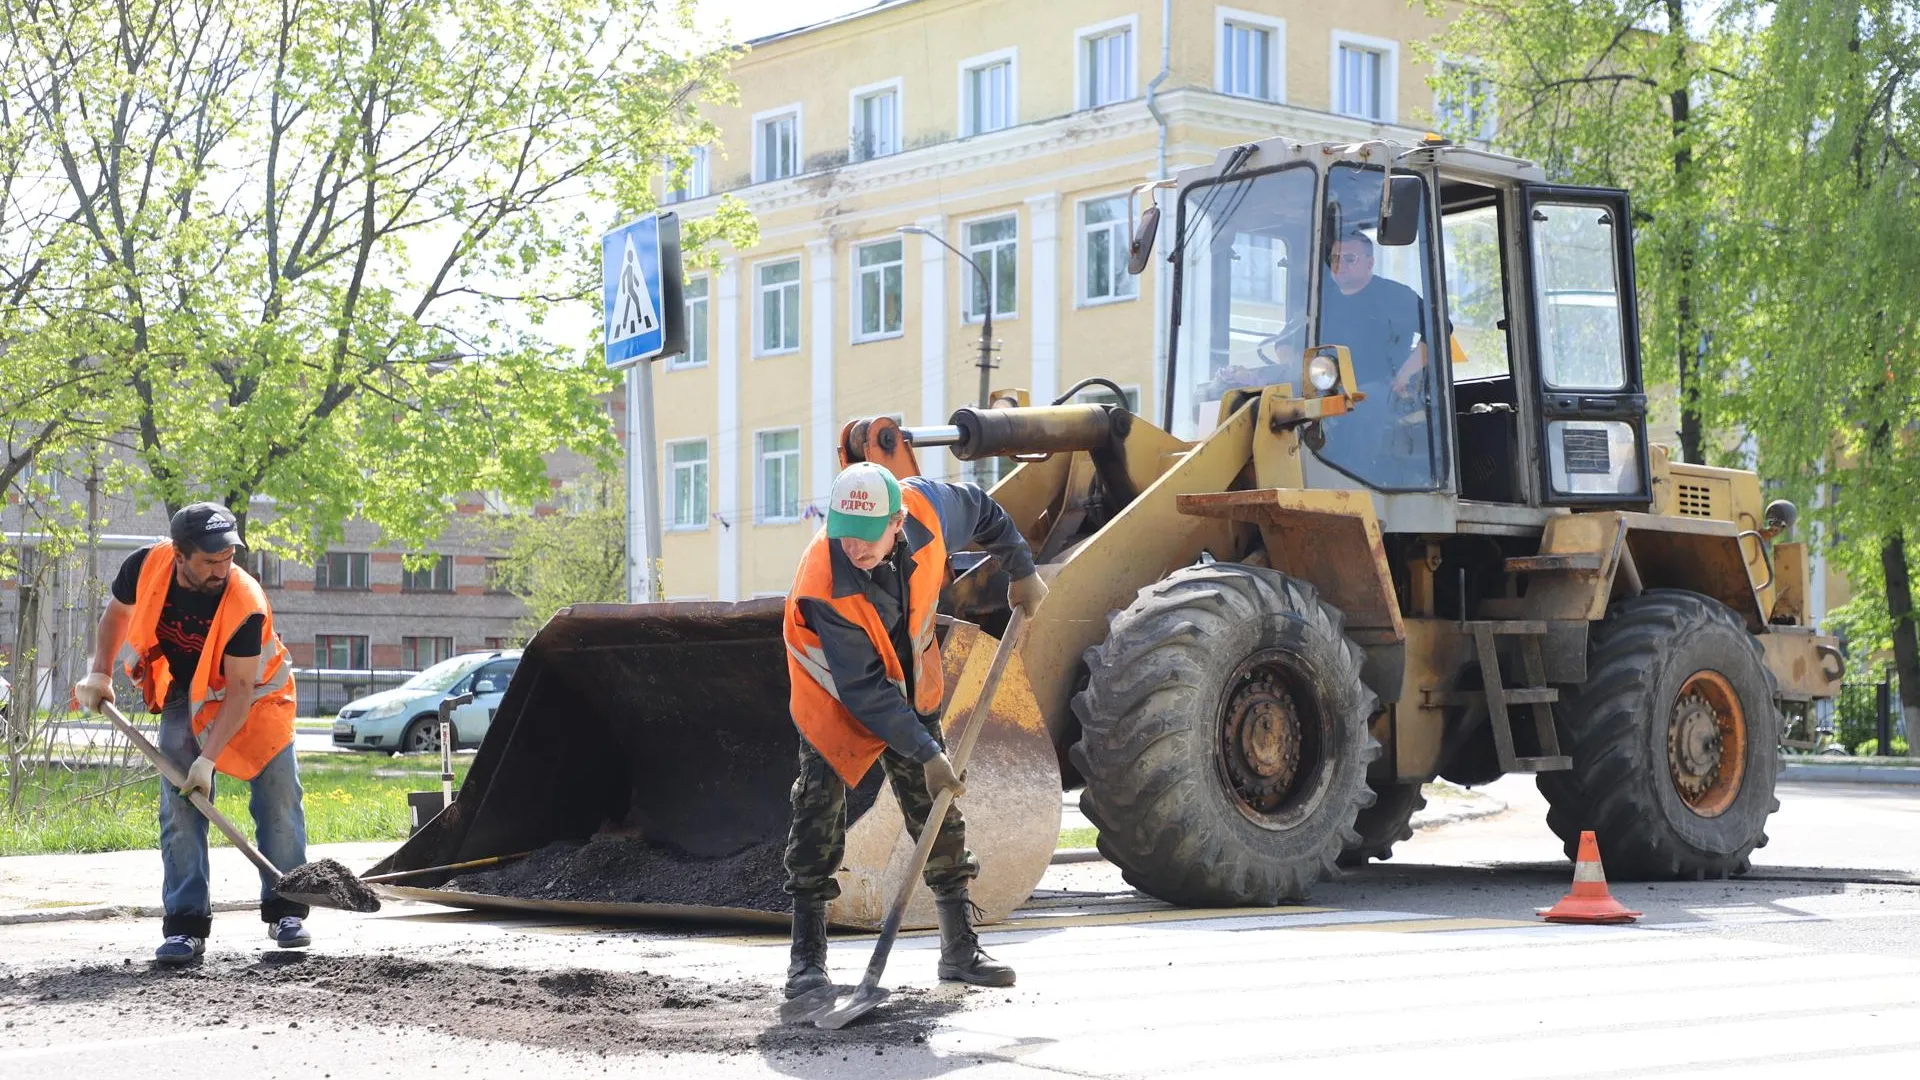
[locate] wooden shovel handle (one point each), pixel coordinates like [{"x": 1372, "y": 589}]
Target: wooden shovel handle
[{"x": 174, "y": 777}]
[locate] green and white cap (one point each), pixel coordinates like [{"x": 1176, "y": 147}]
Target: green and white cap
[{"x": 865, "y": 497}]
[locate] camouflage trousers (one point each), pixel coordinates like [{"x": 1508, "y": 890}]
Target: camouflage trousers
[{"x": 817, "y": 838}]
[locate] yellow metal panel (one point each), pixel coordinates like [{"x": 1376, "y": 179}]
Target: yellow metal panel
[
  {"x": 1436, "y": 651},
  {"x": 1804, "y": 663}
]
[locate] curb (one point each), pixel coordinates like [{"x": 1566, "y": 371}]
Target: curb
[
  {"x": 1850, "y": 774},
  {"x": 26, "y": 916}
]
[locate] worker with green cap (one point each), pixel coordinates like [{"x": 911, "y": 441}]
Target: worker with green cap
[{"x": 867, "y": 684}]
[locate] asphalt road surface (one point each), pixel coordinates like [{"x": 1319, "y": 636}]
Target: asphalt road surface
[{"x": 1431, "y": 965}]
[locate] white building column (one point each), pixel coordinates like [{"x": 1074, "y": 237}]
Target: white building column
[
  {"x": 726, "y": 469},
  {"x": 1043, "y": 218},
  {"x": 821, "y": 430},
  {"x": 933, "y": 340}
]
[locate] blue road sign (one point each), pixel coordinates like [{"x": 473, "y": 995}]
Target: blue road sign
[{"x": 633, "y": 294}]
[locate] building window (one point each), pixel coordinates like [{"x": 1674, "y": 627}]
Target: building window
[
  {"x": 691, "y": 180},
  {"x": 265, "y": 569},
  {"x": 341, "y": 570},
  {"x": 341, "y": 652},
  {"x": 495, "y": 644},
  {"x": 435, "y": 578},
  {"x": 424, "y": 652},
  {"x": 776, "y": 145},
  {"x": 496, "y": 575},
  {"x": 1259, "y": 270},
  {"x": 1363, "y": 76},
  {"x": 687, "y": 484},
  {"x": 694, "y": 292},
  {"x": 779, "y": 306},
  {"x": 986, "y": 94},
  {"x": 994, "y": 247},
  {"x": 1106, "y": 64},
  {"x": 779, "y": 476},
  {"x": 1103, "y": 251},
  {"x": 876, "y": 121},
  {"x": 1464, "y": 103},
  {"x": 1249, "y": 61},
  {"x": 876, "y": 301},
  {"x": 1100, "y": 395}
]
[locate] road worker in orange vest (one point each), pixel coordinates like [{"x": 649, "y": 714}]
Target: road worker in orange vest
[
  {"x": 206, "y": 658},
  {"x": 867, "y": 686}
]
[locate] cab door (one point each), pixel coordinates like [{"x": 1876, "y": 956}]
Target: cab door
[
  {"x": 1584, "y": 333},
  {"x": 489, "y": 685}
]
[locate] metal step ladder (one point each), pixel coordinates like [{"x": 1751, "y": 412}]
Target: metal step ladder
[{"x": 1497, "y": 696}]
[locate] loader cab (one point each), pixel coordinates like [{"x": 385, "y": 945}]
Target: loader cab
[{"x": 1492, "y": 331}]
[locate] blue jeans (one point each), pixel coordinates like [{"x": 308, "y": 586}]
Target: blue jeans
[{"x": 279, "y": 824}]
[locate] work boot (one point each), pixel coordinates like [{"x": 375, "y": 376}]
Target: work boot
[
  {"x": 179, "y": 949},
  {"x": 290, "y": 933},
  {"x": 808, "y": 968},
  {"x": 960, "y": 957}
]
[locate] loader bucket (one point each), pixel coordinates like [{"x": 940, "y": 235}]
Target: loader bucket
[{"x": 667, "y": 724}]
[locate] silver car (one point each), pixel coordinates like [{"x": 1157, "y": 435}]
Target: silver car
[{"x": 407, "y": 717}]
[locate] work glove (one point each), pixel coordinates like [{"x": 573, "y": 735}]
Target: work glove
[
  {"x": 940, "y": 776},
  {"x": 199, "y": 778},
  {"x": 1027, "y": 593},
  {"x": 92, "y": 690}
]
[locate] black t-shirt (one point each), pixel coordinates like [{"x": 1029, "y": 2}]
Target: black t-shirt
[
  {"x": 185, "y": 619},
  {"x": 1378, "y": 325}
]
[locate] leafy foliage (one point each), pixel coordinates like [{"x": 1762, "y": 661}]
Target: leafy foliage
[{"x": 575, "y": 555}]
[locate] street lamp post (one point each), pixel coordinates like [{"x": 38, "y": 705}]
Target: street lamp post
[{"x": 986, "y": 317}]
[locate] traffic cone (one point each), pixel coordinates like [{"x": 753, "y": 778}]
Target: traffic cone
[{"x": 1589, "y": 902}]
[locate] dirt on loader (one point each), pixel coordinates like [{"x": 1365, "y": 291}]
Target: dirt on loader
[
  {"x": 583, "y": 1010},
  {"x": 630, "y": 870}
]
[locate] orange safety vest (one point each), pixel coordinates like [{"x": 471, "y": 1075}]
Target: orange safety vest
[
  {"x": 823, "y": 721},
  {"x": 269, "y": 725}
]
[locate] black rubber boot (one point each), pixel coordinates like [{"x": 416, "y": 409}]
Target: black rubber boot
[
  {"x": 808, "y": 968},
  {"x": 960, "y": 957}
]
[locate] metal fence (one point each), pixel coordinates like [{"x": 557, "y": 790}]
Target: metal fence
[
  {"x": 1868, "y": 708},
  {"x": 323, "y": 691}
]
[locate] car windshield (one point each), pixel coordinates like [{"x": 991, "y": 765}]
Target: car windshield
[{"x": 443, "y": 675}]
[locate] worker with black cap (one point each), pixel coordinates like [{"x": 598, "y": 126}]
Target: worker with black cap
[{"x": 206, "y": 658}]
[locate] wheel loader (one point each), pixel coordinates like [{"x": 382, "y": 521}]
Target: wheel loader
[{"x": 1398, "y": 519}]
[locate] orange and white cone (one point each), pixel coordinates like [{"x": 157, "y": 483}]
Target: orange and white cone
[{"x": 1589, "y": 902}]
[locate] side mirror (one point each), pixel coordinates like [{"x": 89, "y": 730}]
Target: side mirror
[
  {"x": 1400, "y": 215},
  {"x": 1780, "y": 516},
  {"x": 1140, "y": 247}
]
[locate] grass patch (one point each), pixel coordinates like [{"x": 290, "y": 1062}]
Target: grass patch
[
  {"x": 348, "y": 797},
  {"x": 1082, "y": 837}
]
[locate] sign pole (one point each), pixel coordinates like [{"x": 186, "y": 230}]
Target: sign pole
[{"x": 643, "y": 490}]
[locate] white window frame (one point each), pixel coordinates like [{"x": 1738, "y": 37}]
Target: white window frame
[
  {"x": 672, "y": 480},
  {"x": 1276, "y": 56},
  {"x": 1490, "y": 122},
  {"x": 762, "y": 173},
  {"x": 967, "y": 315},
  {"x": 858, "y": 291},
  {"x": 1009, "y": 57},
  {"x": 1390, "y": 74},
  {"x": 1083, "y": 294},
  {"x": 760, "y": 307},
  {"x": 760, "y": 514},
  {"x": 698, "y": 177},
  {"x": 685, "y": 361},
  {"x": 898, "y": 135},
  {"x": 1128, "y": 23}
]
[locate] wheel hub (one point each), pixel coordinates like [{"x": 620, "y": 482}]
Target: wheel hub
[
  {"x": 1261, "y": 741},
  {"x": 1707, "y": 744}
]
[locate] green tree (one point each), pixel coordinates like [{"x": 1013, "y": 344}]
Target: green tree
[
  {"x": 1826, "y": 147},
  {"x": 1615, "y": 93},
  {"x": 576, "y": 554},
  {"x": 314, "y": 244}
]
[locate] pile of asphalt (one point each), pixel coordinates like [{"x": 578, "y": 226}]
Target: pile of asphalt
[
  {"x": 326, "y": 883},
  {"x": 629, "y": 870},
  {"x": 585, "y": 1010}
]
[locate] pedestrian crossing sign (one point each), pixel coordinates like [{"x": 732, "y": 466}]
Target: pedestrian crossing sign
[{"x": 640, "y": 288}]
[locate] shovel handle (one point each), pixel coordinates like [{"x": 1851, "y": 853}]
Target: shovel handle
[
  {"x": 396, "y": 875},
  {"x": 930, "y": 829},
  {"x": 173, "y": 776}
]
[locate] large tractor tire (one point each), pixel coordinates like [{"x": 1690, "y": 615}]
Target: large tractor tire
[
  {"x": 1224, "y": 738},
  {"x": 1387, "y": 822},
  {"x": 1672, "y": 739}
]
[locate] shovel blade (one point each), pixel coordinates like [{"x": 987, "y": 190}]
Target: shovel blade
[
  {"x": 811, "y": 1005},
  {"x": 851, "y": 1007},
  {"x": 326, "y": 883}
]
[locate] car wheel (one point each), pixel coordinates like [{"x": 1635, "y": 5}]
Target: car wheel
[{"x": 423, "y": 736}]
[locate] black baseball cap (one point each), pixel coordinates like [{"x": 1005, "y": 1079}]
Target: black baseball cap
[{"x": 207, "y": 527}]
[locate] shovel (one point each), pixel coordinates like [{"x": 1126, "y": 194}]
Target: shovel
[
  {"x": 325, "y": 883},
  {"x": 834, "y": 1007}
]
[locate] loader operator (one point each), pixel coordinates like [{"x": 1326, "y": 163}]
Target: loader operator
[
  {"x": 867, "y": 685},
  {"x": 207, "y": 660}
]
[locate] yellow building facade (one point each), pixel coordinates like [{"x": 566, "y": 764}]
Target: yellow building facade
[{"x": 1011, "y": 131}]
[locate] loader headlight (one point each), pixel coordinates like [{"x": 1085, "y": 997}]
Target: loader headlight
[{"x": 1323, "y": 372}]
